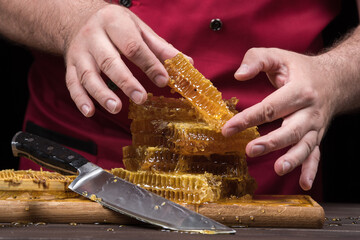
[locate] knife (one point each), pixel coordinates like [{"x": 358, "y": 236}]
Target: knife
[{"x": 115, "y": 193}]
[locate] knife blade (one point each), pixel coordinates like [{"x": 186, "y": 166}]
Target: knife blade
[{"x": 113, "y": 192}]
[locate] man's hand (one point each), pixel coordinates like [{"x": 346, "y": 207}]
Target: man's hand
[
  {"x": 304, "y": 100},
  {"x": 97, "y": 46},
  {"x": 94, "y": 37}
]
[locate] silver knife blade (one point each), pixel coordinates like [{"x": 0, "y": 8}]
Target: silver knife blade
[{"x": 113, "y": 192}]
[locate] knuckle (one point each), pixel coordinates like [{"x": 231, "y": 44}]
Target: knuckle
[
  {"x": 76, "y": 97},
  {"x": 252, "y": 51},
  {"x": 244, "y": 120},
  {"x": 132, "y": 49},
  {"x": 70, "y": 83},
  {"x": 295, "y": 134},
  {"x": 151, "y": 70},
  {"x": 107, "y": 13},
  {"x": 124, "y": 83},
  {"x": 86, "y": 74},
  {"x": 107, "y": 63},
  {"x": 316, "y": 114},
  {"x": 316, "y": 158},
  {"x": 268, "y": 113},
  {"x": 308, "y": 146},
  {"x": 309, "y": 95},
  {"x": 86, "y": 30},
  {"x": 97, "y": 93},
  {"x": 273, "y": 143}
]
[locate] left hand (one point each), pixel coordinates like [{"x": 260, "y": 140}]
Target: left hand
[{"x": 305, "y": 100}]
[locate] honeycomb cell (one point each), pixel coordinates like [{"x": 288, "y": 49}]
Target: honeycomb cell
[
  {"x": 164, "y": 108},
  {"x": 194, "y": 87},
  {"x": 225, "y": 165},
  {"x": 33, "y": 180},
  {"x": 188, "y": 188},
  {"x": 189, "y": 137},
  {"x": 156, "y": 108},
  {"x": 159, "y": 159},
  {"x": 34, "y": 185},
  {"x": 154, "y": 159}
]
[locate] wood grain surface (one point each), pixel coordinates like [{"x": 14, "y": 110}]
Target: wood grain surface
[{"x": 297, "y": 211}]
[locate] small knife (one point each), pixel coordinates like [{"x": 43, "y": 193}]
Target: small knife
[{"x": 115, "y": 193}]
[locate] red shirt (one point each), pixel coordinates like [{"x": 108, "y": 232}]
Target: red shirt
[{"x": 291, "y": 25}]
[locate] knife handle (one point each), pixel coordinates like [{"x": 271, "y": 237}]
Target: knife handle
[{"x": 47, "y": 153}]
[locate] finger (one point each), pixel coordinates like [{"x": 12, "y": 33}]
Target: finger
[
  {"x": 292, "y": 130},
  {"x": 297, "y": 154},
  {"x": 309, "y": 169},
  {"x": 109, "y": 61},
  {"x": 78, "y": 93},
  {"x": 161, "y": 48},
  {"x": 279, "y": 104},
  {"x": 90, "y": 79},
  {"x": 269, "y": 60},
  {"x": 133, "y": 47}
]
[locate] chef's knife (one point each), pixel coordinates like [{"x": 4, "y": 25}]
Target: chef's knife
[{"x": 115, "y": 193}]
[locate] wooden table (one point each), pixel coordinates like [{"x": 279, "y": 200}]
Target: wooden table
[{"x": 342, "y": 222}]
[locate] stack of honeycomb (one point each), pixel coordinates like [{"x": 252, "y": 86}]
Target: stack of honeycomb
[{"x": 177, "y": 148}]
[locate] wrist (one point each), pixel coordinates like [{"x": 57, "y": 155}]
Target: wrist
[
  {"x": 71, "y": 25},
  {"x": 339, "y": 69}
]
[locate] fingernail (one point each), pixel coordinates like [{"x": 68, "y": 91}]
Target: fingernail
[
  {"x": 111, "y": 105},
  {"x": 85, "y": 109},
  {"x": 286, "y": 167},
  {"x": 231, "y": 131},
  {"x": 310, "y": 181},
  {"x": 161, "y": 80},
  {"x": 244, "y": 68},
  {"x": 137, "y": 97},
  {"x": 257, "y": 150},
  {"x": 190, "y": 59}
]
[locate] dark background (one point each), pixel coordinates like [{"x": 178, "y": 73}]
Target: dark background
[{"x": 340, "y": 147}]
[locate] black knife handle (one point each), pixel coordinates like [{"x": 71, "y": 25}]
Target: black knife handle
[{"x": 47, "y": 153}]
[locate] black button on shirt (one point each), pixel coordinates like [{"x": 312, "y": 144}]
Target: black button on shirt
[
  {"x": 125, "y": 3},
  {"x": 216, "y": 24}
]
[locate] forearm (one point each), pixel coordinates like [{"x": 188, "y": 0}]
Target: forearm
[
  {"x": 44, "y": 25},
  {"x": 341, "y": 64}
]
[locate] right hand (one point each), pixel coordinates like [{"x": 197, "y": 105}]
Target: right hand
[{"x": 96, "y": 45}]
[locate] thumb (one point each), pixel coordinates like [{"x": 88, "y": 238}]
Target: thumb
[{"x": 258, "y": 60}]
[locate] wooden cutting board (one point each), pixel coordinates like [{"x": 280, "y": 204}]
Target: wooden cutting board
[{"x": 296, "y": 211}]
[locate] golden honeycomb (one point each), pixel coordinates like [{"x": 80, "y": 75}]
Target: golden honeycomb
[
  {"x": 193, "y": 86},
  {"x": 158, "y": 159},
  {"x": 189, "y": 188},
  {"x": 177, "y": 148},
  {"x": 27, "y": 179},
  {"x": 188, "y": 137},
  {"x": 145, "y": 158},
  {"x": 37, "y": 185},
  {"x": 165, "y": 108}
]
